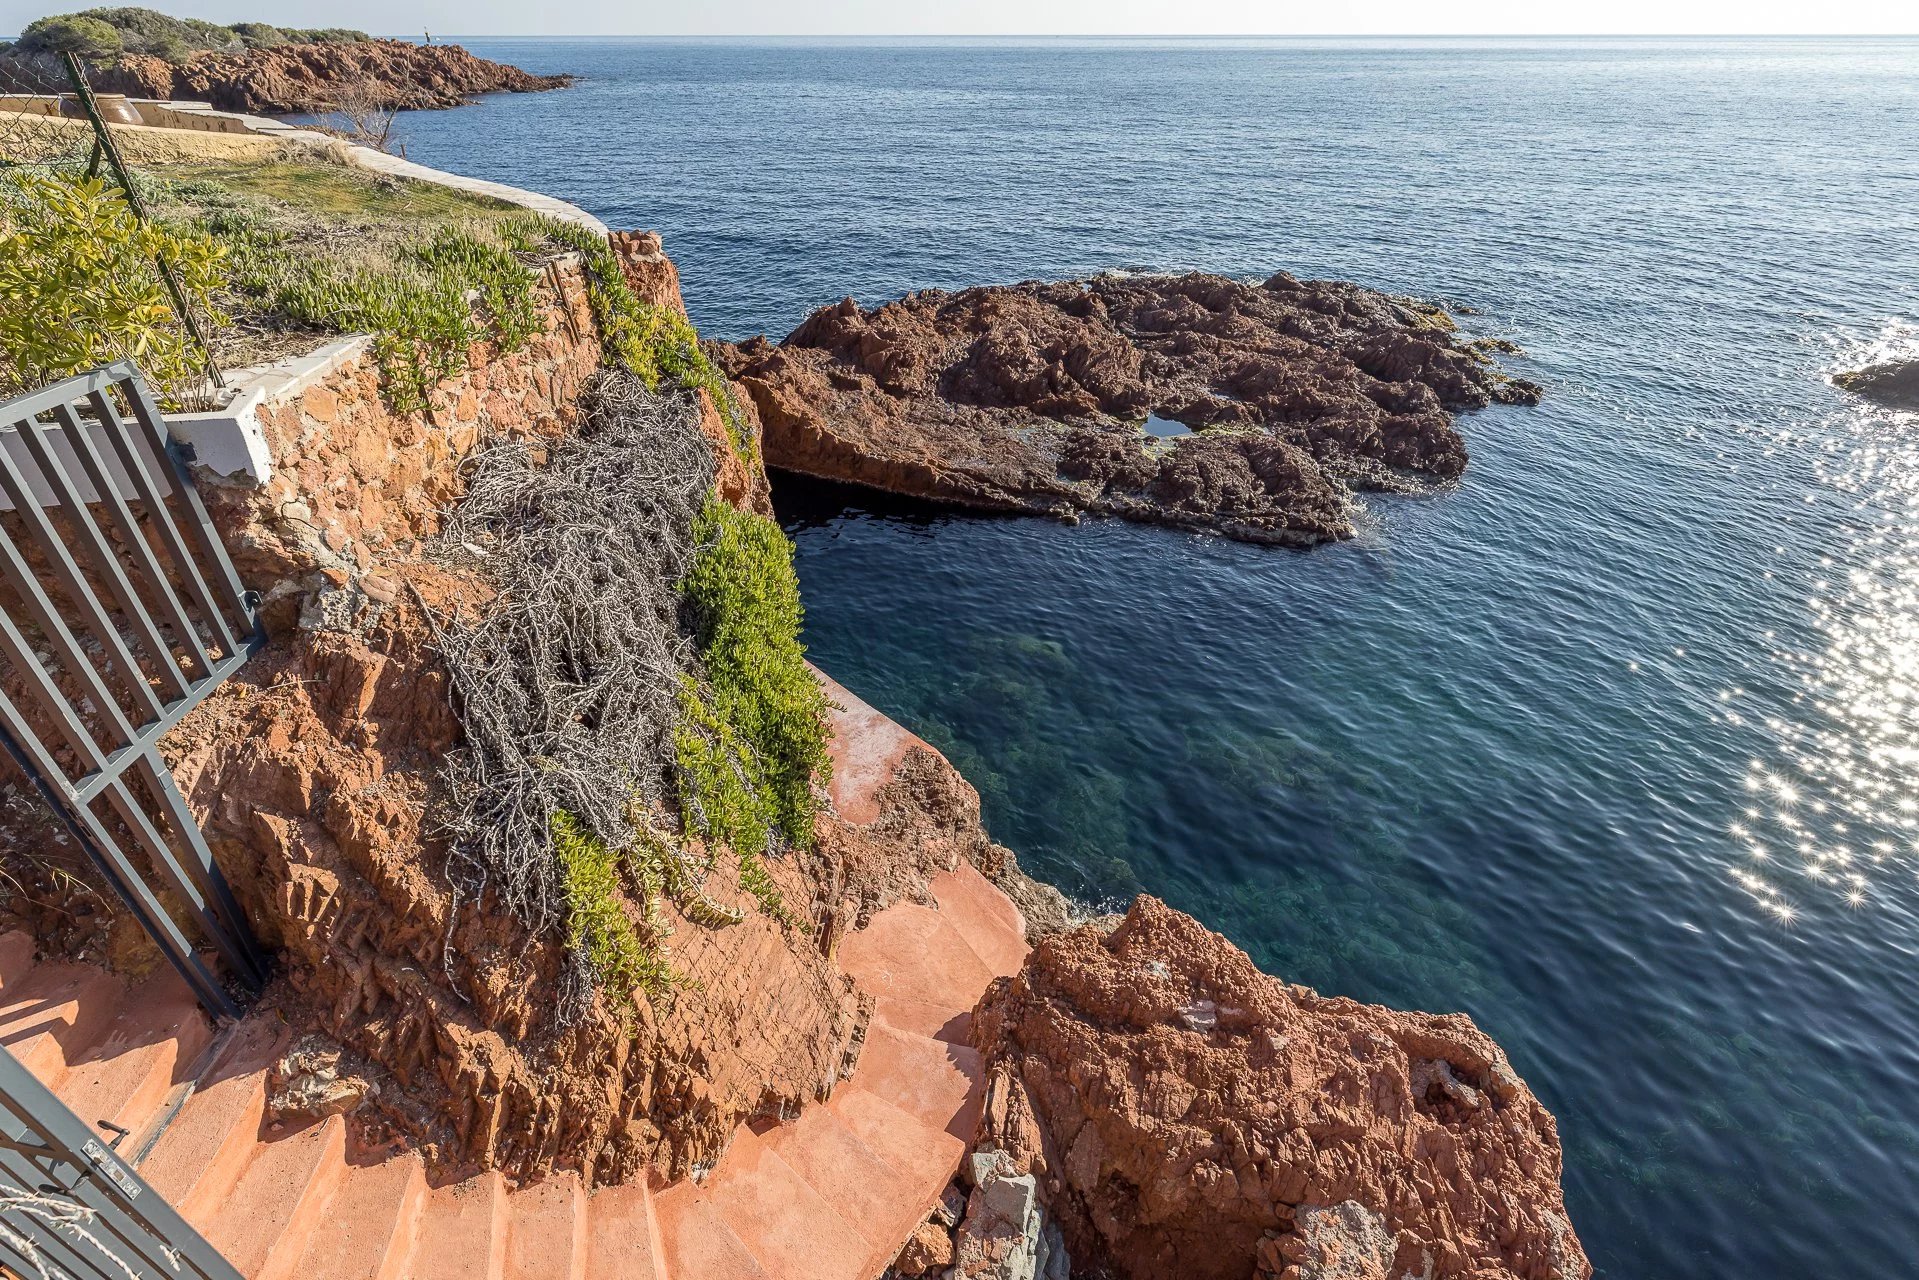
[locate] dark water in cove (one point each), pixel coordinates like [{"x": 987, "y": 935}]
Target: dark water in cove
[{"x": 1615, "y": 745}]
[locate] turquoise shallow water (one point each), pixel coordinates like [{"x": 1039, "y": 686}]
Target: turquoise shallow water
[{"x": 1614, "y": 745}]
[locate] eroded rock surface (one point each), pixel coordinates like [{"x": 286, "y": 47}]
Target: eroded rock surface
[
  {"x": 1032, "y": 398},
  {"x": 1187, "y": 1116}
]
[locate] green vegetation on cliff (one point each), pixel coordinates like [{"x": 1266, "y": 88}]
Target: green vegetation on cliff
[
  {"x": 744, "y": 599},
  {"x": 651, "y": 341},
  {"x": 103, "y": 34},
  {"x": 599, "y": 929}
]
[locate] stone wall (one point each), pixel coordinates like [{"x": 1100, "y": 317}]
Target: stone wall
[{"x": 352, "y": 480}]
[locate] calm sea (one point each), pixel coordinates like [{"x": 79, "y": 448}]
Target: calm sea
[{"x": 1615, "y": 745}]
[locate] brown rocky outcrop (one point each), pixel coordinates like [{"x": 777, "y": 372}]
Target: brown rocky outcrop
[
  {"x": 294, "y": 77},
  {"x": 314, "y": 772},
  {"x": 1894, "y": 384},
  {"x": 1186, "y": 1116},
  {"x": 1030, "y": 398}
]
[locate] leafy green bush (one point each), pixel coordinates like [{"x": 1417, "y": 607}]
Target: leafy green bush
[
  {"x": 754, "y": 742},
  {"x": 260, "y": 35},
  {"x": 72, "y": 33},
  {"x": 622, "y": 960},
  {"x": 138, "y": 30},
  {"x": 78, "y": 286}
]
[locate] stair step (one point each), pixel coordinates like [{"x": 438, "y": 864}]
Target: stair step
[
  {"x": 986, "y": 918},
  {"x": 206, "y": 1148},
  {"x": 622, "y": 1238},
  {"x": 925, "y": 1018},
  {"x": 927, "y": 1156},
  {"x": 939, "y": 1082},
  {"x": 53, "y": 1014},
  {"x": 910, "y": 952},
  {"x": 369, "y": 1224},
  {"x": 463, "y": 1229},
  {"x": 146, "y": 1050},
  {"x": 882, "y": 1203},
  {"x": 17, "y": 949},
  {"x": 791, "y": 1230},
  {"x": 695, "y": 1241},
  {"x": 546, "y": 1231},
  {"x": 263, "y": 1226}
]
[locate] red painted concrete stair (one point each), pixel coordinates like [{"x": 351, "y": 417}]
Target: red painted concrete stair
[{"x": 828, "y": 1196}]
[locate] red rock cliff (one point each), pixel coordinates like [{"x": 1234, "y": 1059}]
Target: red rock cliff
[{"x": 1190, "y": 1118}]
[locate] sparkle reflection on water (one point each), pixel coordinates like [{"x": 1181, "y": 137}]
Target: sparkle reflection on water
[{"x": 1832, "y": 812}]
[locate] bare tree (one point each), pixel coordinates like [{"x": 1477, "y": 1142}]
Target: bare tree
[{"x": 362, "y": 111}]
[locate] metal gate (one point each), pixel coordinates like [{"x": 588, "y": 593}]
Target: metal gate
[
  {"x": 121, "y": 613},
  {"x": 71, "y": 1208}
]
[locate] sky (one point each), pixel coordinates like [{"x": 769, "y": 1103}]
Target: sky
[{"x": 1045, "y": 17}]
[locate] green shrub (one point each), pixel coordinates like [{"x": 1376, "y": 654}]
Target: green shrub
[
  {"x": 761, "y": 720},
  {"x": 653, "y": 342},
  {"x": 260, "y": 35},
  {"x": 326, "y": 35},
  {"x": 78, "y": 286},
  {"x": 72, "y": 33},
  {"x": 419, "y": 308},
  {"x": 150, "y": 31},
  {"x": 131, "y": 29},
  {"x": 598, "y": 925}
]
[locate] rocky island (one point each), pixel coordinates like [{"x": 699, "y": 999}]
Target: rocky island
[
  {"x": 1894, "y": 384},
  {"x": 251, "y": 67},
  {"x": 1276, "y": 400}
]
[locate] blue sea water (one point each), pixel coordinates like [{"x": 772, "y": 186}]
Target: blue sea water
[{"x": 1614, "y": 744}]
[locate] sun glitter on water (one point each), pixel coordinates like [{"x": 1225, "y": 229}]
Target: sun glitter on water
[{"x": 1833, "y": 814}]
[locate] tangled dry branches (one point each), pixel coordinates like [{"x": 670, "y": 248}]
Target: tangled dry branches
[{"x": 568, "y": 686}]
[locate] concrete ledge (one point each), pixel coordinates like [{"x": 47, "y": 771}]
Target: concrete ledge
[{"x": 229, "y": 441}]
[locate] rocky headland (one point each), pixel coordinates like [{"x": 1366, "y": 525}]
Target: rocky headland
[
  {"x": 290, "y": 78},
  {"x": 1033, "y": 398}
]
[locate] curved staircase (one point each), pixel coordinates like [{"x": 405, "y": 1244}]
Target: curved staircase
[{"x": 829, "y": 1196}]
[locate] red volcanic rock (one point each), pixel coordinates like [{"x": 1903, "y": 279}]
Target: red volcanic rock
[
  {"x": 309, "y": 77},
  {"x": 1188, "y": 1117},
  {"x": 1029, "y": 398},
  {"x": 297, "y": 77}
]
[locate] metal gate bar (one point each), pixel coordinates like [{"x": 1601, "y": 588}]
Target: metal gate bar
[
  {"x": 119, "y": 1226},
  {"x": 117, "y": 599}
]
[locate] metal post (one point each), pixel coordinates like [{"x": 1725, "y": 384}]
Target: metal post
[{"x": 111, "y": 150}]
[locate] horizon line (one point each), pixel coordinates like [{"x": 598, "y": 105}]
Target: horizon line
[{"x": 1188, "y": 35}]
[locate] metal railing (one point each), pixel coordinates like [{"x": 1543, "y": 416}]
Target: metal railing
[
  {"x": 121, "y": 613},
  {"x": 71, "y": 1208}
]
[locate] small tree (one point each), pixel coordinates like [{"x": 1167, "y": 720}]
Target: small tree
[
  {"x": 73, "y": 33},
  {"x": 78, "y": 285},
  {"x": 364, "y": 110}
]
